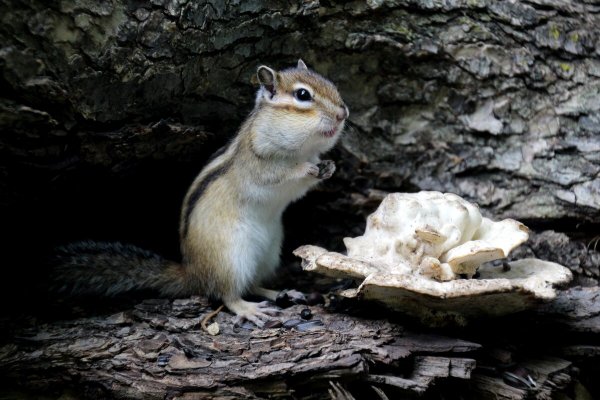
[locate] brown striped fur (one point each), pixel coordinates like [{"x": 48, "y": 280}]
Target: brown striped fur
[
  {"x": 206, "y": 219},
  {"x": 230, "y": 226}
]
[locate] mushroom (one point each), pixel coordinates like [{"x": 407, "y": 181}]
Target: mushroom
[
  {"x": 491, "y": 241},
  {"x": 416, "y": 245},
  {"x": 499, "y": 291},
  {"x": 436, "y": 234}
]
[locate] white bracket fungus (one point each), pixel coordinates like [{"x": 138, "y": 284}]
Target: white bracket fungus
[
  {"x": 416, "y": 247},
  {"x": 436, "y": 234}
]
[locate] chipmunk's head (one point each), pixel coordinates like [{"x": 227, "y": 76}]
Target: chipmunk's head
[{"x": 298, "y": 110}]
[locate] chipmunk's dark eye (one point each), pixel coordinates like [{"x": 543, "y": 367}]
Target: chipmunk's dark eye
[{"x": 302, "y": 95}]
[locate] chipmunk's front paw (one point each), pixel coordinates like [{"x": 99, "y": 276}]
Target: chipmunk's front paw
[
  {"x": 312, "y": 169},
  {"x": 326, "y": 169}
]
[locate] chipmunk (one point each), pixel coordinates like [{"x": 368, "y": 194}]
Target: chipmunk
[{"x": 230, "y": 228}]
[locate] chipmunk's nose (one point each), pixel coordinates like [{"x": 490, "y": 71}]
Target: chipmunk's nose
[{"x": 342, "y": 113}]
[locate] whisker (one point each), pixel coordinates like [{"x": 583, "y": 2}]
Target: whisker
[{"x": 351, "y": 128}]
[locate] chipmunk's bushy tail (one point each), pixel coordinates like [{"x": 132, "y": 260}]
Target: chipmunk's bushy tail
[{"x": 110, "y": 268}]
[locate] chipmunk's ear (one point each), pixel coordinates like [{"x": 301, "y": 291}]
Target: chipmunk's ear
[
  {"x": 267, "y": 77},
  {"x": 301, "y": 64}
]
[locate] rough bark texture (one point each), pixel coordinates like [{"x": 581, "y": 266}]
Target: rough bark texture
[
  {"x": 157, "y": 350},
  {"x": 497, "y": 101},
  {"x": 108, "y": 109}
]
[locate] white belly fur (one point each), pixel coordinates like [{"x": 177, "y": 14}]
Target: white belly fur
[{"x": 258, "y": 236}]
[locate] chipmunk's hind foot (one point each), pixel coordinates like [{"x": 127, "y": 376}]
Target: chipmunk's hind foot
[{"x": 257, "y": 313}]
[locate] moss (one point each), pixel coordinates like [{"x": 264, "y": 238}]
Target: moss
[
  {"x": 566, "y": 67},
  {"x": 401, "y": 30},
  {"x": 475, "y": 3},
  {"x": 574, "y": 37},
  {"x": 554, "y": 32},
  {"x": 476, "y": 28},
  {"x": 64, "y": 31}
]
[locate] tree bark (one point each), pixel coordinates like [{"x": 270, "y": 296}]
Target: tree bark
[
  {"x": 109, "y": 108},
  {"x": 157, "y": 350},
  {"x": 496, "y": 101}
]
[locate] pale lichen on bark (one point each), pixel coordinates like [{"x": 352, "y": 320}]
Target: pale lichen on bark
[{"x": 496, "y": 101}]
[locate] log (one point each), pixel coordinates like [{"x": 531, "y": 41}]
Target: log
[{"x": 158, "y": 349}]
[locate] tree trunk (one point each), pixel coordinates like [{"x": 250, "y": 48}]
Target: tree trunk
[{"x": 108, "y": 109}]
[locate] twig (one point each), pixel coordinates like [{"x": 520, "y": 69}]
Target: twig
[
  {"x": 208, "y": 317},
  {"x": 595, "y": 240},
  {"x": 338, "y": 392},
  {"x": 380, "y": 393}
]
